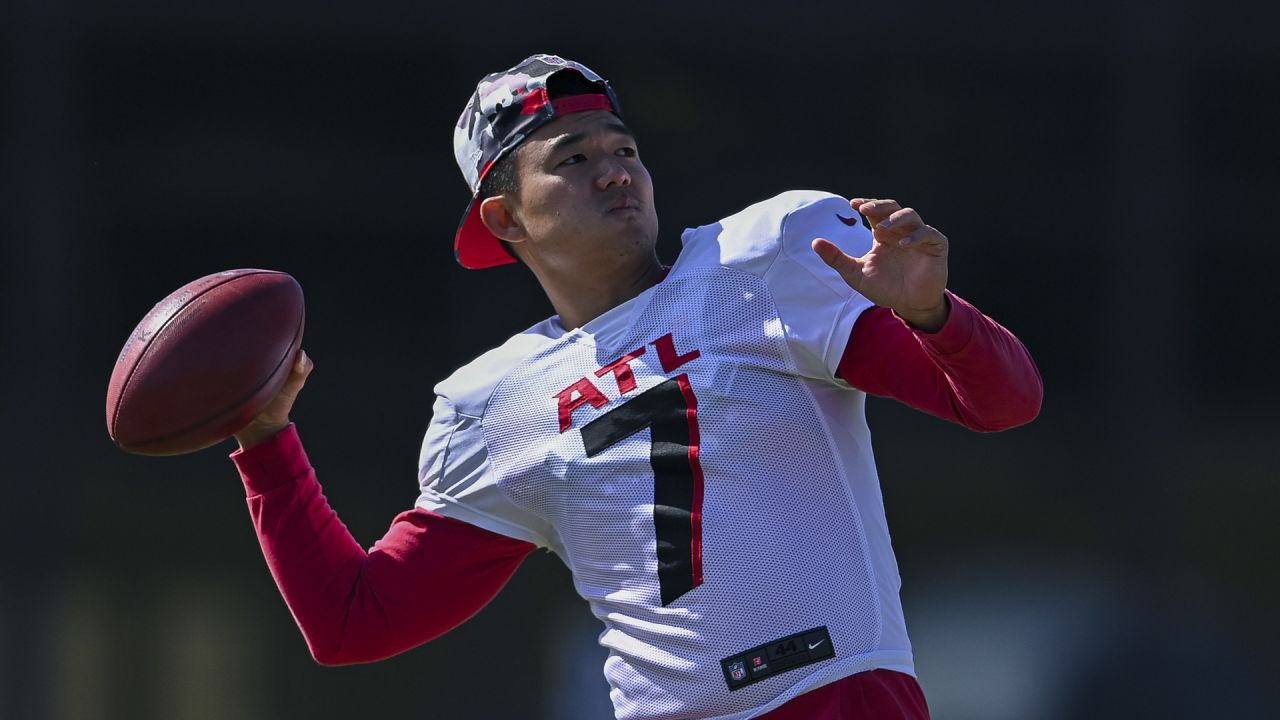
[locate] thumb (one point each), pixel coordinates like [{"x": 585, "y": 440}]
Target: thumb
[
  {"x": 849, "y": 267},
  {"x": 302, "y": 364},
  {"x": 275, "y": 416},
  {"x": 302, "y": 367}
]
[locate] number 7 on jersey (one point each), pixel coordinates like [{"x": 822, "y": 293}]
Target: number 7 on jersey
[{"x": 670, "y": 410}]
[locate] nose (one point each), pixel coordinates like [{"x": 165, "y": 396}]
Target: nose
[{"x": 613, "y": 173}]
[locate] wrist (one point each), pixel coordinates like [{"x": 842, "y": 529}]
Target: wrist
[
  {"x": 930, "y": 320},
  {"x": 256, "y": 434}
]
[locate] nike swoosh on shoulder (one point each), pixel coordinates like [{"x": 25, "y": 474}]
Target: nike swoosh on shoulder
[{"x": 852, "y": 221}]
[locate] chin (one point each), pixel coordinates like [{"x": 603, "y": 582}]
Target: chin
[
  {"x": 641, "y": 244},
  {"x": 624, "y": 253}
]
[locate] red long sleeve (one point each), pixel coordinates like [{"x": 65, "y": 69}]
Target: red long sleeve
[
  {"x": 972, "y": 371},
  {"x": 423, "y": 578}
]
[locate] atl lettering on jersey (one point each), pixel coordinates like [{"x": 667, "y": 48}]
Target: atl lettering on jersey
[{"x": 583, "y": 390}]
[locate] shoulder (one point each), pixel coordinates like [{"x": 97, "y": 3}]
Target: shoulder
[
  {"x": 455, "y": 474},
  {"x": 468, "y": 389},
  {"x": 753, "y": 238}
]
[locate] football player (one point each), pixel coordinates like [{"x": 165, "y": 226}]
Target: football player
[{"x": 689, "y": 439}]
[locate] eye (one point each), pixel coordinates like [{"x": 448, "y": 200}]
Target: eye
[
  {"x": 573, "y": 159},
  {"x": 626, "y": 151}
]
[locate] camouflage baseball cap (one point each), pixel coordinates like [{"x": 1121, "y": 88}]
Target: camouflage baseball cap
[{"x": 503, "y": 112}]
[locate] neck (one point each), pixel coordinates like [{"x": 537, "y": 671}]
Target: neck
[{"x": 578, "y": 299}]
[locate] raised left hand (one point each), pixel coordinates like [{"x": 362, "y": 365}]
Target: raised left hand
[{"x": 905, "y": 269}]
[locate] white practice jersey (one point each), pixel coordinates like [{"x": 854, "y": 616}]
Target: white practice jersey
[{"x": 692, "y": 458}]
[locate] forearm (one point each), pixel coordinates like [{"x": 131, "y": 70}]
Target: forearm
[
  {"x": 427, "y": 575},
  {"x": 972, "y": 371}
]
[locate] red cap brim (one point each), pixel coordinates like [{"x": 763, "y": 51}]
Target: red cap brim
[{"x": 475, "y": 247}]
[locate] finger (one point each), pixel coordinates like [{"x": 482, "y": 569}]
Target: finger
[
  {"x": 878, "y": 210},
  {"x": 854, "y": 203},
  {"x": 880, "y": 207},
  {"x": 848, "y": 266},
  {"x": 901, "y": 222},
  {"x": 926, "y": 238}
]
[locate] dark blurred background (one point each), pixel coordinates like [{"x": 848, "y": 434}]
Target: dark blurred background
[{"x": 1102, "y": 169}]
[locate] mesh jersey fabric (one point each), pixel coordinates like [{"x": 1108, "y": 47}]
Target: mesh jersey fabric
[{"x": 730, "y": 384}]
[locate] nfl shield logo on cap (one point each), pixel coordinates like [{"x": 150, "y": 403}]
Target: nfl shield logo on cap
[{"x": 504, "y": 110}]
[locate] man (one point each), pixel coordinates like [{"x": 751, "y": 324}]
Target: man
[{"x": 689, "y": 440}]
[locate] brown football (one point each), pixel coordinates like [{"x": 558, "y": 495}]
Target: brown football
[{"x": 205, "y": 361}]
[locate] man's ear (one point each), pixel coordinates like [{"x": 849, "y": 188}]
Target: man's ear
[{"x": 497, "y": 216}]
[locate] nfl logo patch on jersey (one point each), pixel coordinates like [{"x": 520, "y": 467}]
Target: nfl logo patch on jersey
[{"x": 778, "y": 656}]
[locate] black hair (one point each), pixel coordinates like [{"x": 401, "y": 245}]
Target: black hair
[{"x": 502, "y": 177}]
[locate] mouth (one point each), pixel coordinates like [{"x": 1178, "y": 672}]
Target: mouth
[{"x": 623, "y": 204}]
